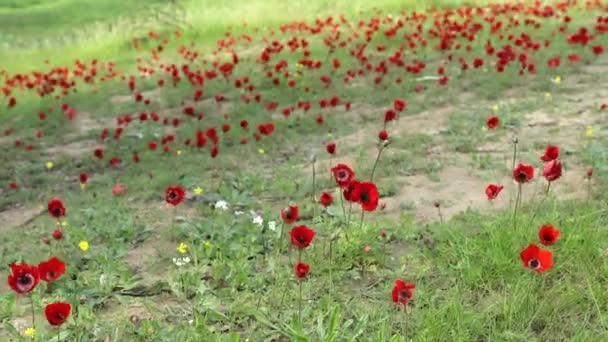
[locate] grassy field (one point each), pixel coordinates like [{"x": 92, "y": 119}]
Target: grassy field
[{"x": 218, "y": 267}]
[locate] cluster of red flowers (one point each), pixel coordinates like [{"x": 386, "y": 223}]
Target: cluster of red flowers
[
  {"x": 539, "y": 259},
  {"x": 364, "y": 193}
]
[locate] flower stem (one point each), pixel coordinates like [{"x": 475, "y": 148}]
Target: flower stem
[
  {"x": 33, "y": 312},
  {"x": 517, "y": 199},
  {"x": 300, "y": 302},
  {"x": 362, "y": 219},
  {"x": 314, "y": 175},
  {"x": 588, "y": 188},
  {"x": 371, "y": 178},
  {"x": 282, "y": 235},
  {"x": 547, "y": 189},
  {"x": 342, "y": 203}
]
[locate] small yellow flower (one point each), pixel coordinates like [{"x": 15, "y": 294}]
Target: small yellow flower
[
  {"x": 495, "y": 108},
  {"x": 207, "y": 244},
  {"x": 261, "y": 150},
  {"x": 182, "y": 248},
  {"x": 198, "y": 190},
  {"x": 49, "y": 165},
  {"x": 557, "y": 80},
  {"x": 548, "y": 96},
  {"x": 84, "y": 245},
  {"x": 329, "y": 134},
  {"x": 484, "y": 128},
  {"x": 64, "y": 223},
  {"x": 30, "y": 332},
  {"x": 178, "y": 152},
  {"x": 589, "y": 131},
  {"x": 83, "y": 186}
]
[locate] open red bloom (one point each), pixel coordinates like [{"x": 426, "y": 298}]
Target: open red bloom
[
  {"x": 302, "y": 236},
  {"x": 326, "y": 199},
  {"x": 537, "y": 259},
  {"x": 13, "y": 185},
  {"x": 174, "y": 195},
  {"x": 301, "y": 269},
  {"x": 56, "y": 208},
  {"x": 330, "y": 148},
  {"x": 399, "y": 104},
  {"x": 99, "y": 153},
  {"x": 348, "y": 191},
  {"x": 23, "y": 278},
  {"x": 367, "y": 194},
  {"x": 289, "y": 214},
  {"x": 492, "y": 122},
  {"x": 523, "y": 173},
  {"x": 552, "y": 170},
  {"x": 548, "y": 235},
  {"x": 492, "y": 191},
  {"x": 343, "y": 174},
  {"x": 402, "y": 292},
  {"x": 57, "y": 313},
  {"x": 551, "y": 153},
  {"x": 84, "y": 177},
  {"x": 51, "y": 269}
]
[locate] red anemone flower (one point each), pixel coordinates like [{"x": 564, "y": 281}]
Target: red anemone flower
[
  {"x": 551, "y": 153},
  {"x": 23, "y": 278},
  {"x": 552, "y": 170},
  {"x": 302, "y": 236},
  {"x": 289, "y": 214},
  {"x": 536, "y": 258},
  {"x": 301, "y": 269},
  {"x": 367, "y": 194},
  {"x": 56, "y": 208},
  {"x": 343, "y": 174},
  {"x": 402, "y": 292},
  {"x": 548, "y": 235},
  {"x": 330, "y": 148},
  {"x": 326, "y": 199},
  {"x": 51, "y": 269},
  {"x": 57, "y": 313},
  {"x": 175, "y": 195},
  {"x": 492, "y": 191},
  {"x": 523, "y": 173},
  {"x": 492, "y": 122}
]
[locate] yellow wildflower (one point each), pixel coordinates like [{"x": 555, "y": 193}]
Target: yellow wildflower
[
  {"x": 182, "y": 248},
  {"x": 207, "y": 244},
  {"x": 198, "y": 190},
  {"x": 49, "y": 165},
  {"x": 495, "y": 108},
  {"x": 557, "y": 80},
  {"x": 84, "y": 245},
  {"x": 30, "y": 332},
  {"x": 261, "y": 150},
  {"x": 178, "y": 152},
  {"x": 589, "y": 131}
]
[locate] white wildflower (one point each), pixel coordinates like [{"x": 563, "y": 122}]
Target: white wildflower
[{"x": 221, "y": 205}]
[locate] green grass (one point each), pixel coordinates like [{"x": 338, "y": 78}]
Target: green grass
[{"x": 471, "y": 284}]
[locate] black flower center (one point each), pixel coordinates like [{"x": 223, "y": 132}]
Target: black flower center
[
  {"x": 365, "y": 196},
  {"x": 59, "y": 316},
  {"x": 405, "y": 295},
  {"x": 25, "y": 279},
  {"x": 56, "y": 212},
  {"x": 341, "y": 174},
  {"x": 50, "y": 274},
  {"x": 522, "y": 176},
  {"x": 172, "y": 194},
  {"x": 534, "y": 263},
  {"x": 301, "y": 238}
]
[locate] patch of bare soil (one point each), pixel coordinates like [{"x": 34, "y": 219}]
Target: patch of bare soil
[
  {"x": 73, "y": 149},
  {"x": 429, "y": 122},
  {"x": 120, "y": 99},
  {"x": 16, "y": 217}
]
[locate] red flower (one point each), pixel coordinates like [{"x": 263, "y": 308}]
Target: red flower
[
  {"x": 551, "y": 153},
  {"x": 389, "y": 115},
  {"x": 589, "y": 172},
  {"x": 302, "y": 236},
  {"x": 492, "y": 191},
  {"x": 174, "y": 195},
  {"x": 152, "y": 145},
  {"x": 383, "y": 135},
  {"x": 57, "y": 235},
  {"x": 597, "y": 49},
  {"x": 57, "y": 313},
  {"x": 289, "y": 214},
  {"x": 537, "y": 259},
  {"x": 492, "y": 122},
  {"x": 13, "y": 185},
  {"x": 399, "y": 105},
  {"x": 56, "y": 208},
  {"x": 84, "y": 177},
  {"x": 523, "y": 173},
  {"x": 326, "y": 199},
  {"x": 51, "y": 270},
  {"x": 23, "y": 278},
  {"x": 402, "y": 292},
  {"x": 118, "y": 190},
  {"x": 366, "y": 193},
  {"x": 348, "y": 190},
  {"x": 330, "y": 148},
  {"x": 301, "y": 270},
  {"x": 552, "y": 170},
  {"x": 548, "y": 235},
  {"x": 343, "y": 174},
  {"x": 98, "y": 153}
]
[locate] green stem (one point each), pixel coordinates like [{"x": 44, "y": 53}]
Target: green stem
[
  {"x": 282, "y": 235},
  {"x": 371, "y": 178},
  {"x": 313, "y": 190},
  {"x": 300, "y": 303},
  {"x": 339, "y": 193},
  {"x": 33, "y": 310},
  {"x": 362, "y": 218},
  {"x": 517, "y": 199}
]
